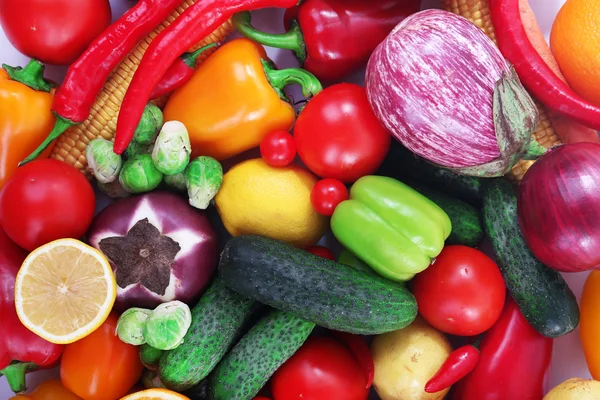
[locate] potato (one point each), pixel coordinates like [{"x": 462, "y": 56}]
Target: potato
[
  {"x": 406, "y": 359},
  {"x": 575, "y": 389}
]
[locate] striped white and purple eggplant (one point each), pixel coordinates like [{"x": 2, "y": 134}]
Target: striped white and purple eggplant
[{"x": 445, "y": 91}]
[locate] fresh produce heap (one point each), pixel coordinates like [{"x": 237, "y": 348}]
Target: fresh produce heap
[{"x": 404, "y": 238}]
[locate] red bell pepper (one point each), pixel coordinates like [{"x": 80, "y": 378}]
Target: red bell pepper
[
  {"x": 358, "y": 346},
  {"x": 21, "y": 350},
  {"x": 332, "y": 38},
  {"x": 514, "y": 360}
]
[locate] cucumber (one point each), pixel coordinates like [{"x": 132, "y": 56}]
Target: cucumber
[
  {"x": 319, "y": 290},
  {"x": 542, "y": 294},
  {"x": 217, "y": 321},
  {"x": 250, "y": 364},
  {"x": 467, "y": 226},
  {"x": 401, "y": 164}
]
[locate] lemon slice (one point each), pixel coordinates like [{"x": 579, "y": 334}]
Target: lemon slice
[
  {"x": 64, "y": 291},
  {"x": 155, "y": 394}
]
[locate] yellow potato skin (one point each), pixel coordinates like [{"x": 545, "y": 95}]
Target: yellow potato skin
[{"x": 575, "y": 389}]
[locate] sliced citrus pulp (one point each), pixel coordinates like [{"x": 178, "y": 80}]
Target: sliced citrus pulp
[
  {"x": 155, "y": 394},
  {"x": 64, "y": 291}
]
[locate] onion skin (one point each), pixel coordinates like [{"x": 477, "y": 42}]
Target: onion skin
[
  {"x": 194, "y": 265},
  {"x": 559, "y": 207},
  {"x": 431, "y": 82}
]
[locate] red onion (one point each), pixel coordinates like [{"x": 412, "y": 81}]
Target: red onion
[
  {"x": 559, "y": 207},
  {"x": 160, "y": 248},
  {"x": 442, "y": 87}
]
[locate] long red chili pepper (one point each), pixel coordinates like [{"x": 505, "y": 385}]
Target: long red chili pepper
[
  {"x": 195, "y": 23},
  {"x": 86, "y": 76},
  {"x": 179, "y": 72},
  {"x": 458, "y": 365},
  {"x": 359, "y": 348},
  {"x": 533, "y": 71}
]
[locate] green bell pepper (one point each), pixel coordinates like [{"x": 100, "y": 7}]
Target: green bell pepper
[{"x": 390, "y": 226}]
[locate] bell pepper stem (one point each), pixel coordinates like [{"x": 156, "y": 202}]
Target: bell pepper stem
[
  {"x": 15, "y": 375},
  {"x": 291, "y": 40},
  {"x": 280, "y": 78},
  {"x": 32, "y": 75},
  {"x": 190, "y": 58},
  {"x": 60, "y": 126},
  {"x": 534, "y": 151}
]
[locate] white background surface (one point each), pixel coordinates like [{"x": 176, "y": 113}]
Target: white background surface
[{"x": 568, "y": 358}]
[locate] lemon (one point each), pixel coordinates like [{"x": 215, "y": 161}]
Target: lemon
[
  {"x": 258, "y": 199},
  {"x": 64, "y": 291}
]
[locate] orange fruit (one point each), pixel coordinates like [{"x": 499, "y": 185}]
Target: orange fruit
[
  {"x": 155, "y": 394},
  {"x": 575, "y": 42},
  {"x": 64, "y": 291}
]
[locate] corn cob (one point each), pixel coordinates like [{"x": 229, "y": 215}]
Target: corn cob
[
  {"x": 102, "y": 121},
  {"x": 478, "y": 12}
]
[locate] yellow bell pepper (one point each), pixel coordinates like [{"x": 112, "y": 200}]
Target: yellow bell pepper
[{"x": 235, "y": 98}]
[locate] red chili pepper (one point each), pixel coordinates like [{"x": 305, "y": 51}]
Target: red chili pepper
[
  {"x": 514, "y": 360},
  {"x": 21, "y": 350},
  {"x": 321, "y": 252},
  {"x": 179, "y": 72},
  {"x": 332, "y": 38},
  {"x": 195, "y": 23},
  {"x": 86, "y": 76},
  {"x": 533, "y": 71},
  {"x": 359, "y": 348},
  {"x": 459, "y": 364}
]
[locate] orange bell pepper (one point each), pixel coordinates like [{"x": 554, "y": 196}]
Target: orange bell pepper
[
  {"x": 49, "y": 390},
  {"x": 589, "y": 325},
  {"x": 235, "y": 98},
  {"x": 25, "y": 116}
]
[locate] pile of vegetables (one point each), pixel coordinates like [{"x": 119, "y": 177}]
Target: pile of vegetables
[{"x": 405, "y": 238}]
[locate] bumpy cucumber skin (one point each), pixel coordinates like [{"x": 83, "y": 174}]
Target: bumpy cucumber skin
[
  {"x": 217, "y": 321},
  {"x": 542, "y": 294},
  {"x": 244, "y": 371},
  {"x": 322, "y": 291},
  {"x": 467, "y": 226}
]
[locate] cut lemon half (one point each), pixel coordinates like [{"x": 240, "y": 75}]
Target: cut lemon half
[
  {"x": 155, "y": 394},
  {"x": 64, "y": 291}
]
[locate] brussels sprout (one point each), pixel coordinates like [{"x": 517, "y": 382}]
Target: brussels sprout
[
  {"x": 172, "y": 149},
  {"x": 176, "y": 181},
  {"x": 102, "y": 161},
  {"x": 130, "y": 326},
  {"x": 139, "y": 174},
  {"x": 135, "y": 149},
  {"x": 150, "y": 123},
  {"x": 166, "y": 327},
  {"x": 203, "y": 177}
]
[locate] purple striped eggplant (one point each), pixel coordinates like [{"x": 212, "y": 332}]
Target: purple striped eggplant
[
  {"x": 442, "y": 87},
  {"x": 559, "y": 207}
]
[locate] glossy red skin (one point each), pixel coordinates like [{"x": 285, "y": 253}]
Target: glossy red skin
[
  {"x": 340, "y": 35},
  {"x": 56, "y": 31},
  {"x": 321, "y": 252},
  {"x": 458, "y": 365},
  {"x": 321, "y": 369},
  {"x": 278, "y": 149},
  {"x": 326, "y": 194},
  {"x": 461, "y": 293},
  {"x": 358, "y": 345},
  {"x": 18, "y": 343},
  {"x": 46, "y": 200},
  {"x": 338, "y": 135},
  {"x": 564, "y": 233},
  {"x": 514, "y": 359},
  {"x": 175, "y": 77}
]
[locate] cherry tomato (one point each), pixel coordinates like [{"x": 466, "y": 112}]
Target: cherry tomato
[
  {"x": 338, "y": 135},
  {"x": 322, "y": 368},
  {"x": 53, "y": 31},
  {"x": 278, "y": 149},
  {"x": 100, "y": 366},
  {"x": 461, "y": 293},
  {"x": 321, "y": 252},
  {"x": 326, "y": 194},
  {"x": 46, "y": 200}
]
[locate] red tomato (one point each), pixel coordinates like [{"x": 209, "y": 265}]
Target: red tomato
[
  {"x": 326, "y": 194},
  {"x": 101, "y": 366},
  {"x": 321, "y": 252},
  {"x": 46, "y": 200},
  {"x": 461, "y": 293},
  {"x": 53, "y": 31},
  {"x": 338, "y": 135},
  {"x": 321, "y": 369},
  {"x": 278, "y": 149}
]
